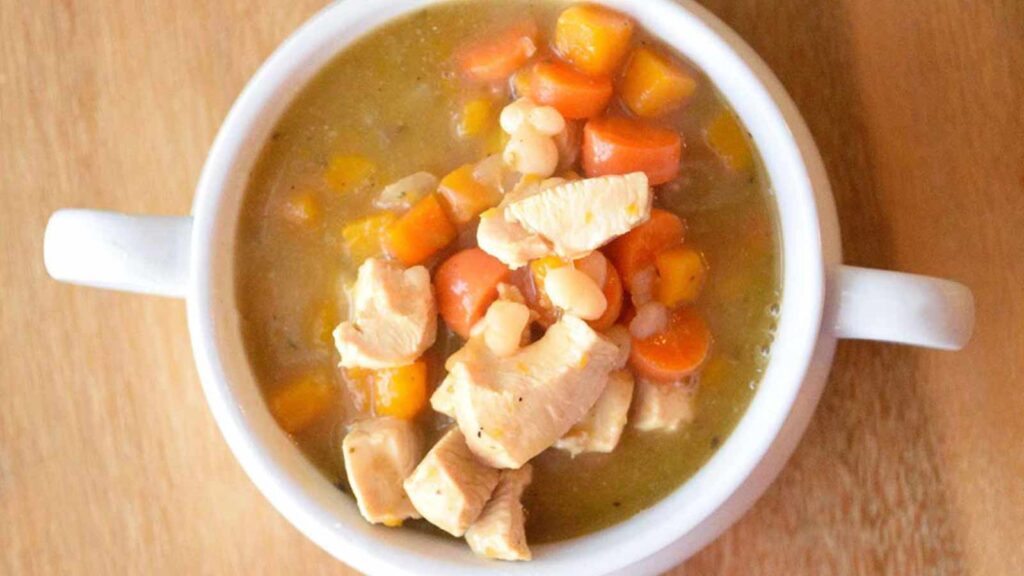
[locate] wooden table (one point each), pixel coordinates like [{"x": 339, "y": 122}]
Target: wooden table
[{"x": 111, "y": 464}]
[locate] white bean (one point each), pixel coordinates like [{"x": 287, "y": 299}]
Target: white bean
[
  {"x": 547, "y": 120},
  {"x": 575, "y": 292},
  {"x": 505, "y": 323},
  {"x": 650, "y": 319}
]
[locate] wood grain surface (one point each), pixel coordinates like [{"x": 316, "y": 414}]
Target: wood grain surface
[{"x": 110, "y": 462}]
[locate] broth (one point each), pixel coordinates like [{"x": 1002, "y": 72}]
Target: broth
[{"x": 391, "y": 97}]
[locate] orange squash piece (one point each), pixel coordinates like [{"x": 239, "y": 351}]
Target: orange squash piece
[
  {"x": 653, "y": 85},
  {"x": 726, "y": 137},
  {"x": 466, "y": 197},
  {"x": 301, "y": 402},
  {"x": 593, "y": 39},
  {"x": 681, "y": 273},
  {"x": 421, "y": 232},
  {"x": 400, "y": 392}
]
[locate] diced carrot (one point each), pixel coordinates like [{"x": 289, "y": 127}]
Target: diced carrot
[
  {"x": 364, "y": 237},
  {"x": 476, "y": 116},
  {"x": 637, "y": 249},
  {"x": 726, "y": 137},
  {"x": 681, "y": 272},
  {"x": 301, "y": 402},
  {"x": 675, "y": 352},
  {"x": 400, "y": 392},
  {"x": 345, "y": 173},
  {"x": 497, "y": 57},
  {"x": 573, "y": 94},
  {"x": 421, "y": 232},
  {"x": 653, "y": 85},
  {"x": 613, "y": 294},
  {"x": 465, "y": 196},
  {"x": 302, "y": 209},
  {"x": 614, "y": 145},
  {"x": 465, "y": 285},
  {"x": 593, "y": 39}
]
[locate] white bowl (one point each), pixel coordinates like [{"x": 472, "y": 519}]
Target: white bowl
[{"x": 821, "y": 301}]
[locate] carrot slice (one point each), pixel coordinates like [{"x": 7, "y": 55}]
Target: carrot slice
[
  {"x": 614, "y": 145},
  {"x": 653, "y": 85},
  {"x": 465, "y": 285},
  {"x": 613, "y": 294},
  {"x": 593, "y": 39},
  {"x": 636, "y": 250},
  {"x": 573, "y": 94},
  {"x": 497, "y": 57},
  {"x": 421, "y": 232},
  {"x": 675, "y": 352}
]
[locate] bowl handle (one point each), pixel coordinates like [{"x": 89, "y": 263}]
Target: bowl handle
[
  {"x": 903, "y": 308},
  {"x": 145, "y": 254}
]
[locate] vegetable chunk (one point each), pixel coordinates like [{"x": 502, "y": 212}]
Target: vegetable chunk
[
  {"x": 592, "y": 38},
  {"x": 421, "y": 232},
  {"x": 653, "y": 85},
  {"x": 615, "y": 145}
]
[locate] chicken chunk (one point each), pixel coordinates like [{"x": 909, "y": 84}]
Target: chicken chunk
[
  {"x": 580, "y": 216},
  {"x": 441, "y": 400},
  {"x": 508, "y": 241},
  {"x": 500, "y": 531},
  {"x": 662, "y": 407},
  {"x": 451, "y": 486},
  {"x": 601, "y": 428},
  {"x": 513, "y": 408},
  {"x": 379, "y": 454},
  {"x": 393, "y": 319}
]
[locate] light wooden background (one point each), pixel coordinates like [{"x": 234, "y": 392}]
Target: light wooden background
[{"x": 111, "y": 464}]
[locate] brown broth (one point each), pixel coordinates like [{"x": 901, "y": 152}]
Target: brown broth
[{"x": 391, "y": 97}]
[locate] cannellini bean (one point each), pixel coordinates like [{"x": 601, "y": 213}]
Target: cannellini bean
[
  {"x": 641, "y": 288},
  {"x": 530, "y": 152},
  {"x": 650, "y": 319},
  {"x": 594, "y": 265},
  {"x": 547, "y": 120},
  {"x": 403, "y": 193},
  {"x": 515, "y": 114},
  {"x": 505, "y": 323},
  {"x": 575, "y": 292}
]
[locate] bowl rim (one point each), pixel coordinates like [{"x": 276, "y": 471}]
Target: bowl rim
[{"x": 803, "y": 309}]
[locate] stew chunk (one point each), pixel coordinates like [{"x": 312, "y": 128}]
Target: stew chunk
[
  {"x": 601, "y": 428},
  {"x": 500, "y": 532},
  {"x": 393, "y": 318},
  {"x": 379, "y": 454},
  {"x": 450, "y": 486},
  {"x": 662, "y": 407},
  {"x": 514, "y": 407}
]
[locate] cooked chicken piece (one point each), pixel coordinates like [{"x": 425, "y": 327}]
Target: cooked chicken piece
[
  {"x": 500, "y": 531},
  {"x": 620, "y": 336},
  {"x": 508, "y": 241},
  {"x": 662, "y": 407},
  {"x": 441, "y": 400},
  {"x": 601, "y": 428},
  {"x": 379, "y": 454},
  {"x": 393, "y": 319},
  {"x": 513, "y": 408},
  {"x": 580, "y": 216},
  {"x": 450, "y": 486}
]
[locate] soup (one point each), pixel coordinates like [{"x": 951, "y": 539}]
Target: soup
[{"x": 432, "y": 136}]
